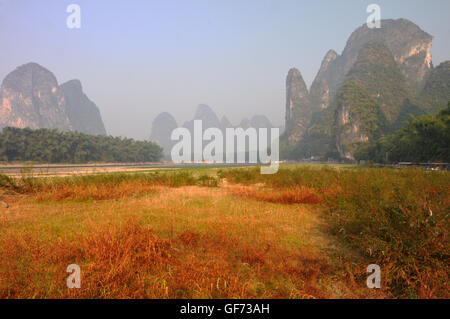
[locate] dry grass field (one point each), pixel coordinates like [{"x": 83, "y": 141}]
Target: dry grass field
[{"x": 306, "y": 232}]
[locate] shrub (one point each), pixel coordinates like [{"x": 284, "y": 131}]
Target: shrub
[{"x": 396, "y": 218}]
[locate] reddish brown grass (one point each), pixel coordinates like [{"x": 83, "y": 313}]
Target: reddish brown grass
[
  {"x": 293, "y": 195},
  {"x": 130, "y": 261},
  {"x": 96, "y": 192},
  {"x": 186, "y": 242},
  {"x": 398, "y": 219}
]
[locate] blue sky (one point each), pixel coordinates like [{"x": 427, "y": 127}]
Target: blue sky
[{"x": 139, "y": 58}]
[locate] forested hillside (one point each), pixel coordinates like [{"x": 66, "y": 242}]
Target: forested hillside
[
  {"x": 53, "y": 146},
  {"x": 426, "y": 138},
  {"x": 382, "y": 78}
]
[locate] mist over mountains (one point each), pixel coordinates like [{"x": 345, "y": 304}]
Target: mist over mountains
[
  {"x": 31, "y": 97},
  {"x": 165, "y": 123},
  {"x": 382, "y": 78}
]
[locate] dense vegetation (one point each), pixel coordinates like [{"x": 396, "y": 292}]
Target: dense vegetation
[
  {"x": 437, "y": 88},
  {"x": 101, "y": 187},
  {"x": 314, "y": 231},
  {"x": 398, "y": 219},
  {"x": 380, "y": 101},
  {"x": 52, "y": 146},
  {"x": 317, "y": 140},
  {"x": 374, "y": 92},
  {"x": 378, "y": 73},
  {"x": 426, "y": 138},
  {"x": 362, "y": 108}
]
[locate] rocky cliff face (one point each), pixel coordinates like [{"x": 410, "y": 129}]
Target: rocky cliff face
[
  {"x": 378, "y": 73},
  {"x": 32, "y": 98},
  {"x": 350, "y": 134},
  {"x": 409, "y": 45},
  {"x": 298, "y": 106},
  {"x": 320, "y": 89},
  {"x": 391, "y": 66},
  {"x": 371, "y": 99},
  {"x": 162, "y": 128},
  {"x": 83, "y": 114},
  {"x": 357, "y": 118}
]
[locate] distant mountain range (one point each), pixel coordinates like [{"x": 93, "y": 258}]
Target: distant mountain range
[
  {"x": 31, "y": 97},
  {"x": 381, "y": 78},
  {"x": 165, "y": 123}
]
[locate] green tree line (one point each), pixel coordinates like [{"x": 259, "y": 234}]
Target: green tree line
[
  {"x": 424, "y": 139},
  {"x": 53, "y": 146}
]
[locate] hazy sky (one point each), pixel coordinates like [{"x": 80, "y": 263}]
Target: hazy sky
[{"x": 136, "y": 59}]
